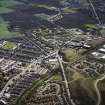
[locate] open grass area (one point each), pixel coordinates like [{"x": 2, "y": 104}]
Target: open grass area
[
  {"x": 9, "y": 45},
  {"x": 56, "y": 77},
  {"x": 77, "y": 76},
  {"x": 4, "y": 32},
  {"x": 71, "y": 55},
  {"x": 69, "y": 10},
  {"x": 41, "y": 6},
  {"x": 91, "y": 26},
  {"x": 84, "y": 89},
  {"x": 5, "y": 10},
  {"x": 6, "y": 5}
]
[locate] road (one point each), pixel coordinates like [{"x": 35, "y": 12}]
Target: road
[
  {"x": 65, "y": 80},
  {"x": 44, "y": 51},
  {"x": 55, "y": 17},
  {"x": 94, "y": 10},
  {"x": 97, "y": 90}
]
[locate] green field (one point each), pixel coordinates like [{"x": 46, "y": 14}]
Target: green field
[
  {"x": 5, "y": 10},
  {"x": 91, "y": 26},
  {"x": 6, "y": 5},
  {"x": 77, "y": 76},
  {"x": 41, "y": 6},
  {"x": 71, "y": 55},
  {"x": 84, "y": 88},
  {"x": 69, "y": 10},
  {"x": 56, "y": 77},
  {"x": 9, "y": 45},
  {"x": 4, "y": 32}
]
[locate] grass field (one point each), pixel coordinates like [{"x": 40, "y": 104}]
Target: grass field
[
  {"x": 9, "y": 45},
  {"x": 5, "y": 10},
  {"x": 83, "y": 88},
  {"x": 77, "y": 76},
  {"x": 4, "y": 32},
  {"x": 56, "y": 77},
  {"x": 71, "y": 55},
  {"x": 41, "y": 6},
  {"x": 91, "y": 26},
  {"x": 6, "y": 5},
  {"x": 69, "y": 10}
]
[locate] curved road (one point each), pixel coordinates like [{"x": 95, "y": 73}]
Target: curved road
[{"x": 97, "y": 90}]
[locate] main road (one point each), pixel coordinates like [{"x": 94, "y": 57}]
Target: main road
[{"x": 65, "y": 80}]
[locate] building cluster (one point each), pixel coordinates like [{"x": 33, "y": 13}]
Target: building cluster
[
  {"x": 66, "y": 38},
  {"x": 89, "y": 68},
  {"x": 17, "y": 84},
  {"x": 10, "y": 67},
  {"x": 47, "y": 95},
  {"x": 22, "y": 64},
  {"x": 25, "y": 51},
  {"x": 99, "y": 53},
  {"x": 17, "y": 88}
]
